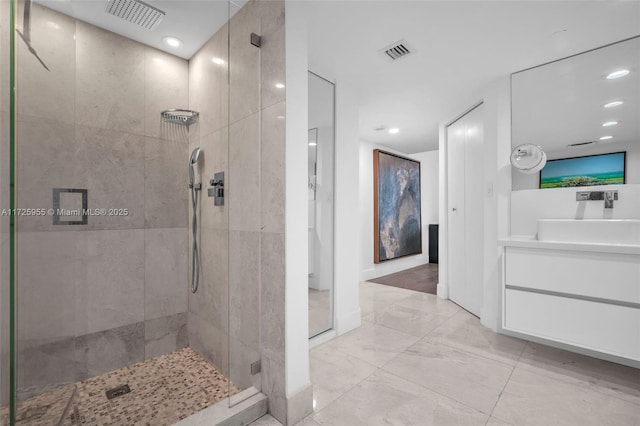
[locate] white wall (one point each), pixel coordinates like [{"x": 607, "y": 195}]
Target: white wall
[
  {"x": 429, "y": 185},
  {"x": 560, "y": 203},
  {"x": 347, "y": 245},
  {"x": 496, "y": 183},
  {"x": 296, "y": 205},
  {"x": 429, "y": 210},
  {"x": 497, "y": 186}
]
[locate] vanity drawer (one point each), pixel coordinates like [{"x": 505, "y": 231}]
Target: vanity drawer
[
  {"x": 602, "y": 275},
  {"x": 599, "y": 326}
]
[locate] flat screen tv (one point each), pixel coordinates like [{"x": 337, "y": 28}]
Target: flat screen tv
[{"x": 602, "y": 169}]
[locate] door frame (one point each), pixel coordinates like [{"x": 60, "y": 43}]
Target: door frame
[{"x": 443, "y": 211}]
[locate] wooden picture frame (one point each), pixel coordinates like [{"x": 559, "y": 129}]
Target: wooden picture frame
[{"x": 397, "y": 220}]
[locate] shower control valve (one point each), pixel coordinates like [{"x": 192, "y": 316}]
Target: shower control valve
[{"x": 217, "y": 189}]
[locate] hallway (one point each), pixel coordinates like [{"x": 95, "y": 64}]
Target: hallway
[
  {"x": 423, "y": 278},
  {"x": 420, "y": 360}
]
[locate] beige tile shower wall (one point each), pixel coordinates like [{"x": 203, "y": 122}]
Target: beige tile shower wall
[
  {"x": 208, "y": 309},
  {"x": 99, "y": 296},
  {"x": 251, "y": 136},
  {"x": 272, "y": 218}
]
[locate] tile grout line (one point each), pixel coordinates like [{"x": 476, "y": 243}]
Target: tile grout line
[
  {"x": 350, "y": 388},
  {"x": 434, "y": 391},
  {"x": 474, "y": 354},
  {"x": 506, "y": 383},
  {"x": 441, "y": 394},
  {"x": 589, "y": 385}
]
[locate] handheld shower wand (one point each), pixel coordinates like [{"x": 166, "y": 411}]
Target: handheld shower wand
[{"x": 195, "y": 253}]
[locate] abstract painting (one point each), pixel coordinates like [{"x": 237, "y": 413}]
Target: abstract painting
[
  {"x": 602, "y": 169},
  {"x": 396, "y": 202}
]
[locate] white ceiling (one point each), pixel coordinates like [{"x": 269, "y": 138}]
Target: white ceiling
[
  {"x": 562, "y": 103},
  {"x": 191, "y": 21},
  {"x": 460, "y": 48}
]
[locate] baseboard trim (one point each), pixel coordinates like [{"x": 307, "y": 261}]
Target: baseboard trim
[
  {"x": 348, "y": 322},
  {"x": 318, "y": 340},
  {"x": 300, "y": 405},
  {"x": 442, "y": 291}
]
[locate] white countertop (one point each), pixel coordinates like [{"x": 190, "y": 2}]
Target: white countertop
[{"x": 531, "y": 242}]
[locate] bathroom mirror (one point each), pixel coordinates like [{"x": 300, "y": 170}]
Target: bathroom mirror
[
  {"x": 583, "y": 105},
  {"x": 320, "y": 145}
]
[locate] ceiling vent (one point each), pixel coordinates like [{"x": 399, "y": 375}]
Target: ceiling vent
[
  {"x": 136, "y": 12},
  {"x": 396, "y": 50},
  {"x": 580, "y": 144}
]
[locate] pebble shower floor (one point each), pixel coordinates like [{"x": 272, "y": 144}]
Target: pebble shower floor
[{"x": 164, "y": 390}]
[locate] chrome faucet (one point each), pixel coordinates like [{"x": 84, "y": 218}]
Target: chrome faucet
[{"x": 609, "y": 196}]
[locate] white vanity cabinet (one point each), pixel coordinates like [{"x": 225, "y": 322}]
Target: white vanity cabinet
[{"x": 583, "y": 295}]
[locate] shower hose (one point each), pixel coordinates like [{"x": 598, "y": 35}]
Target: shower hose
[{"x": 195, "y": 255}]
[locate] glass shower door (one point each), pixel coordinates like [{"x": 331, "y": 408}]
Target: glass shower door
[
  {"x": 100, "y": 259},
  {"x": 48, "y": 271},
  {"x": 6, "y": 401},
  {"x": 256, "y": 196},
  {"x": 243, "y": 196}
]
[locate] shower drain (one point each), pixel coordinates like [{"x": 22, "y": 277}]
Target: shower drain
[{"x": 118, "y": 391}]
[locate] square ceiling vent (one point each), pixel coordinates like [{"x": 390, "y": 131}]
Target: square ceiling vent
[{"x": 397, "y": 50}]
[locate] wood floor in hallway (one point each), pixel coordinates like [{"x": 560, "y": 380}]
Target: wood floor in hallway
[{"x": 423, "y": 278}]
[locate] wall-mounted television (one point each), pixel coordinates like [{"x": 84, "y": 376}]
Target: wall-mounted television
[{"x": 601, "y": 169}]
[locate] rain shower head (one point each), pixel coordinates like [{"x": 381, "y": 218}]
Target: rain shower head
[
  {"x": 135, "y": 11},
  {"x": 186, "y": 117}
]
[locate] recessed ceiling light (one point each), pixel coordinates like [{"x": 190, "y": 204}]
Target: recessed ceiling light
[
  {"x": 280, "y": 117},
  {"x": 312, "y": 144},
  {"x": 394, "y": 130},
  {"x": 280, "y": 85},
  {"x": 606, "y": 138},
  {"x": 218, "y": 61},
  {"x": 617, "y": 74},
  {"x": 613, "y": 104},
  {"x": 609, "y": 124},
  {"x": 172, "y": 41}
]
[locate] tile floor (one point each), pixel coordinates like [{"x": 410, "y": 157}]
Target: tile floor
[{"x": 420, "y": 360}]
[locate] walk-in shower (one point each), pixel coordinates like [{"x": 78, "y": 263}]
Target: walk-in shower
[
  {"x": 96, "y": 280},
  {"x": 195, "y": 252}
]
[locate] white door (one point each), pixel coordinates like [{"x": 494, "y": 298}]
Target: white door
[{"x": 465, "y": 139}]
